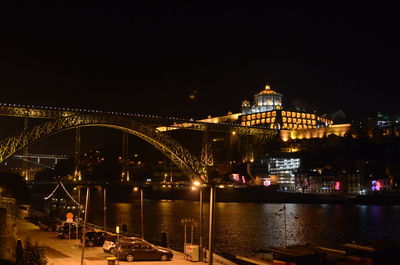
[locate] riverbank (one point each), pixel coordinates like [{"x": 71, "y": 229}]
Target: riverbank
[
  {"x": 252, "y": 194},
  {"x": 262, "y": 195}
]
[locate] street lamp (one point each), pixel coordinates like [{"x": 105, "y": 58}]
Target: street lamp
[
  {"x": 105, "y": 208},
  {"x": 84, "y": 223},
  {"x": 197, "y": 185},
  {"x": 141, "y": 209}
]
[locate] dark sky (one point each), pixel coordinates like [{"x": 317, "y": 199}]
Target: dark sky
[{"x": 149, "y": 59}]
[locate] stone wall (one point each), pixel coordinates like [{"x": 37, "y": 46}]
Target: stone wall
[{"x": 7, "y": 228}]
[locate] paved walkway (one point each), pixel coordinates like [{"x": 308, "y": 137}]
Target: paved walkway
[{"x": 66, "y": 252}]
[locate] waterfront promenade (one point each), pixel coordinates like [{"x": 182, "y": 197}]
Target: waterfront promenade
[{"x": 68, "y": 252}]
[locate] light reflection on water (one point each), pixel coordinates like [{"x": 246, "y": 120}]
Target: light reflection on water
[{"x": 245, "y": 227}]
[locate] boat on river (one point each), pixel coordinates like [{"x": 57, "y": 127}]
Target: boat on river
[{"x": 354, "y": 253}]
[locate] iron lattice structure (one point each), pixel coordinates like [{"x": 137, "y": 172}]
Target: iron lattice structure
[
  {"x": 206, "y": 151},
  {"x": 179, "y": 155},
  {"x": 14, "y": 110}
]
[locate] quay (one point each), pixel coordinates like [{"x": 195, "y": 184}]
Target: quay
[{"x": 67, "y": 252}]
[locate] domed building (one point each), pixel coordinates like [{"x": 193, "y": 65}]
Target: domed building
[
  {"x": 266, "y": 100},
  {"x": 267, "y": 111}
]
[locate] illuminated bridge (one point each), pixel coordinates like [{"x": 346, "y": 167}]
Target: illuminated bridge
[{"x": 146, "y": 127}]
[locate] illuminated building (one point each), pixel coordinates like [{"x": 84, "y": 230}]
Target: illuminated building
[
  {"x": 284, "y": 169},
  {"x": 266, "y": 100},
  {"x": 267, "y": 111}
]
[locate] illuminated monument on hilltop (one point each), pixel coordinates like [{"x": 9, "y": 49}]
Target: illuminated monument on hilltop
[{"x": 267, "y": 111}]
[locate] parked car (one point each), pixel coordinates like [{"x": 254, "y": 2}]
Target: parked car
[
  {"x": 95, "y": 238},
  {"x": 109, "y": 245},
  {"x": 48, "y": 224},
  {"x": 143, "y": 251},
  {"x": 63, "y": 232}
]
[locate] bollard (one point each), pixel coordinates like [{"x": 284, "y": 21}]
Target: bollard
[{"x": 111, "y": 260}]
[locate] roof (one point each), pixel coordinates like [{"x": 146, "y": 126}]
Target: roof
[{"x": 267, "y": 90}]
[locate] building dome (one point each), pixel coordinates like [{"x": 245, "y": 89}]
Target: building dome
[
  {"x": 266, "y": 100},
  {"x": 268, "y": 90}
]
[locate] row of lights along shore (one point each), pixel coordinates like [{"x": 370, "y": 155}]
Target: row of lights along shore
[{"x": 195, "y": 186}]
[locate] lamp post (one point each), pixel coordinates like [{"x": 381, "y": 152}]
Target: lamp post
[
  {"x": 141, "y": 209},
  {"x": 84, "y": 223},
  {"x": 141, "y": 212},
  {"x": 105, "y": 208},
  {"x": 201, "y": 224},
  {"x": 118, "y": 245},
  {"x": 79, "y": 206},
  {"x": 197, "y": 184},
  {"x": 211, "y": 224}
]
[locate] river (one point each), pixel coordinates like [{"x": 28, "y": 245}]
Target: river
[{"x": 242, "y": 228}]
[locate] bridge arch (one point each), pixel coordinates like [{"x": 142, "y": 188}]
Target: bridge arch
[{"x": 179, "y": 155}]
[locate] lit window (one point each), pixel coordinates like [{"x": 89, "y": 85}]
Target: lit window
[
  {"x": 304, "y": 121},
  {"x": 308, "y": 122},
  {"x": 294, "y": 120},
  {"x": 289, "y": 114},
  {"x": 308, "y": 115},
  {"x": 300, "y": 127},
  {"x": 253, "y": 122},
  {"x": 273, "y": 113},
  {"x": 295, "y": 126},
  {"x": 248, "y": 123},
  {"x": 263, "y": 115},
  {"x": 253, "y": 117},
  {"x": 303, "y": 115},
  {"x": 284, "y": 119},
  {"x": 258, "y": 115},
  {"x": 289, "y": 120},
  {"x": 243, "y": 124},
  {"x": 298, "y": 115},
  {"x": 285, "y": 125},
  {"x": 244, "y": 118},
  {"x": 268, "y": 114},
  {"x": 273, "y": 119},
  {"x": 283, "y": 113},
  {"x": 257, "y": 121},
  {"x": 262, "y": 120},
  {"x": 290, "y": 126},
  {"x": 313, "y": 116},
  {"x": 268, "y": 120},
  {"x": 278, "y": 107}
]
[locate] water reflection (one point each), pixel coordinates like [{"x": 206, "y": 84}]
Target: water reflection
[{"x": 245, "y": 227}]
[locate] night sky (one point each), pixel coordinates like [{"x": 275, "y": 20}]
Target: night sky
[{"x": 151, "y": 59}]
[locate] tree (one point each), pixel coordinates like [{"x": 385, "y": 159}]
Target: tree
[{"x": 32, "y": 254}]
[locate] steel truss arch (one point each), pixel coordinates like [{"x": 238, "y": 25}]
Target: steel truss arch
[{"x": 179, "y": 155}]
